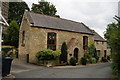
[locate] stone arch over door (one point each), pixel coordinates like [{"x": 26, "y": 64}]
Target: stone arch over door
[
  {"x": 76, "y": 51},
  {"x": 74, "y": 46}
]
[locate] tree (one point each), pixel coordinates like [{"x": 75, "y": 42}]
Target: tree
[
  {"x": 16, "y": 11},
  {"x": 113, "y": 37},
  {"x": 12, "y": 36},
  {"x": 63, "y": 56},
  {"x": 44, "y": 7},
  {"x": 92, "y": 51}
]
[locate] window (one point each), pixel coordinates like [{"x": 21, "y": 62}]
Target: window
[
  {"x": 23, "y": 38},
  {"x": 51, "y": 41},
  {"x": 98, "y": 53},
  {"x": 85, "y": 42},
  {"x": 97, "y": 42}
]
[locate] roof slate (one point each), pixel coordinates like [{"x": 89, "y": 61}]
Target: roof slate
[
  {"x": 44, "y": 21},
  {"x": 97, "y": 37}
]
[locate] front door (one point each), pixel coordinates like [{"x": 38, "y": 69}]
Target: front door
[
  {"x": 105, "y": 53},
  {"x": 76, "y": 53}
]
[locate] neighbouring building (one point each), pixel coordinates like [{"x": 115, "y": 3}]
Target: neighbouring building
[
  {"x": 101, "y": 45},
  {"x": 4, "y": 9},
  {"x": 39, "y": 32}
]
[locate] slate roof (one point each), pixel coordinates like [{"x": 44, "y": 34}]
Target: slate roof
[
  {"x": 97, "y": 37},
  {"x": 44, "y": 21}
]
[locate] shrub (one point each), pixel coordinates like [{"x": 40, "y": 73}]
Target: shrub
[
  {"x": 45, "y": 55},
  {"x": 9, "y": 51},
  {"x": 63, "y": 56},
  {"x": 108, "y": 58},
  {"x": 5, "y": 51},
  {"x": 48, "y": 54},
  {"x": 87, "y": 55},
  {"x": 83, "y": 61},
  {"x": 103, "y": 59},
  {"x": 93, "y": 60},
  {"x": 97, "y": 59},
  {"x": 91, "y": 49},
  {"x": 116, "y": 66},
  {"x": 56, "y": 54},
  {"x": 73, "y": 61}
]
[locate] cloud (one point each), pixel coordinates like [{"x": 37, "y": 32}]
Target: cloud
[{"x": 96, "y": 15}]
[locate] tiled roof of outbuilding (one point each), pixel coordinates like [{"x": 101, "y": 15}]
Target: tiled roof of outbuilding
[
  {"x": 97, "y": 37},
  {"x": 44, "y": 21}
]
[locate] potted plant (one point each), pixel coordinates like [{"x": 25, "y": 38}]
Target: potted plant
[
  {"x": 83, "y": 61},
  {"x": 73, "y": 61}
]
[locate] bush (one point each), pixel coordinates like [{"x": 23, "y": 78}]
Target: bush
[
  {"x": 108, "y": 58},
  {"x": 103, "y": 59},
  {"x": 97, "y": 59},
  {"x": 63, "y": 56},
  {"x": 5, "y": 51},
  {"x": 116, "y": 66},
  {"x": 87, "y": 55},
  {"x": 56, "y": 54},
  {"x": 91, "y": 49},
  {"x": 83, "y": 61},
  {"x": 73, "y": 61},
  {"x": 93, "y": 60},
  {"x": 48, "y": 54},
  {"x": 9, "y": 51}
]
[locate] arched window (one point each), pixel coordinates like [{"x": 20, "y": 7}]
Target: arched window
[
  {"x": 23, "y": 38},
  {"x": 85, "y": 42},
  {"x": 51, "y": 41}
]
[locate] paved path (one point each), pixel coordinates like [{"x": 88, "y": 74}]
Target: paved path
[
  {"x": 96, "y": 71},
  {"x": 18, "y": 66}
]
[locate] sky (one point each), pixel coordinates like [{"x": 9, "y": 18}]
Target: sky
[{"x": 96, "y": 14}]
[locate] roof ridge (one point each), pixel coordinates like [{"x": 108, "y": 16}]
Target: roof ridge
[
  {"x": 30, "y": 17},
  {"x": 56, "y": 17}
]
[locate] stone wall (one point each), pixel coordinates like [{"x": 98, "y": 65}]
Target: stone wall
[
  {"x": 102, "y": 46},
  {"x": 24, "y": 50}
]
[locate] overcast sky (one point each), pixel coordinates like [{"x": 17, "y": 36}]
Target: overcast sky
[{"x": 96, "y": 14}]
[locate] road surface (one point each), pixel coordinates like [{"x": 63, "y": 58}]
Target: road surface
[{"x": 96, "y": 71}]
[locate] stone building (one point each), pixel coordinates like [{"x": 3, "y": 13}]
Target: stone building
[
  {"x": 39, "y": 32},
  {"x": 101, "y": 45}
]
